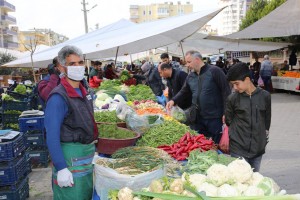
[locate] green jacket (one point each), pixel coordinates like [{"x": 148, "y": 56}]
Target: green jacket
[{"x": 248, "y": 118}]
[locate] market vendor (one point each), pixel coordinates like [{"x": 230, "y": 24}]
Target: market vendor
[
  {"x": 71, "y": 131},
  {"x": 94, "y": 81}
]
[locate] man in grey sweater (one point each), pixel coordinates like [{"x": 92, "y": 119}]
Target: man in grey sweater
[{"x": 266, "y": 72}]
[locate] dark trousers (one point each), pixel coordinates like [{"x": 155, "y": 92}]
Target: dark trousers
[
  {"x": 267, "y": 82},
  {"x": 211, "y": 128}
]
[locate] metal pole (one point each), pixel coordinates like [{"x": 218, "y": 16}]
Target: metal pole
[
  {"x": 182, "y": 50},
  {"x": 85, "y": 16},
  {"x": 116, "y": 56}
]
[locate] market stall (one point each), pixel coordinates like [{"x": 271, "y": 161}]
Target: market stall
[{"x": 286, "y": 80}]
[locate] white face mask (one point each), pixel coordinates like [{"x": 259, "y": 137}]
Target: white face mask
[{"x": 75, "y": 73}]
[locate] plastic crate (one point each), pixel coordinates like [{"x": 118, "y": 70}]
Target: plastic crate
[
  {"x": 31, "y": 123},
  {"x": 12, "y": 149},
  {"x": 15, "y": 105},
  {"x": 10, "y": 118},
  {"x": 35, "y": 139},
  {"x": 15, "y": 192},
  {"x": 38, "y": 157},
  {"x": 17, "y": 96},
  {"x": 11, "y": 172}
]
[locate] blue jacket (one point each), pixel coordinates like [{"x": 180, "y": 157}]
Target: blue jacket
[{"x": 209, "y": 90}]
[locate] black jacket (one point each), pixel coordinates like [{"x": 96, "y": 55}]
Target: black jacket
[
  {"x": 248, "y": 118},
  {"x": 210, "y": 90},
  {"x": 154, "y": 81},
  {"x": 175, "y": 83}
]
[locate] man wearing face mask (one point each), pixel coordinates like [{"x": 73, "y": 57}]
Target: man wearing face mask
[
  {"x": 55, "y": 72},
  {"x": 71, "y": 130}
]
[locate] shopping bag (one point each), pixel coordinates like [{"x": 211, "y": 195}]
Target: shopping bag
[
  {"x": 260, "y": 82},
  {"x": 224, "y": 142}
]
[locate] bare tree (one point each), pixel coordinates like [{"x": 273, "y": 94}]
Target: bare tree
[{"x": 31, "y": 47}]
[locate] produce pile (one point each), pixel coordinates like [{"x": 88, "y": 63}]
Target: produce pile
[
  {"x": 187, "y": 143},
  {"x": 6, "y": 97},
  {"x": 199, "y": 162},
  {"x": 236, "y": 181},
  {"x": 291, "y": 74},
  {"x": 146, "y": 104},
  {"x": 15, "y": 112},
  {"x": 106, "y": 116},
  {"x": 166, "y": 133},
  {"x": 113, "y": 132},
  {"x": 140, "y": 92},
  {"x": 126, "y": 78},
  {"x": 136, "y": 160}
]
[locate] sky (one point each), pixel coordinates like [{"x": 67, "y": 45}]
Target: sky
[{"x": 66, "y": 17}]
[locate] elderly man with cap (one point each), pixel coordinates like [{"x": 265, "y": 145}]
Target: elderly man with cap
[{"x": 71, "y": 130}]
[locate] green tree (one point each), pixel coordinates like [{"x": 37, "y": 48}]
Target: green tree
[{"x": 5, "y": 58}]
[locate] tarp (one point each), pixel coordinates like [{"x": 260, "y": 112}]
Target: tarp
[
  {"x": 216, "y": 44},
  {"x": 130, "y": 39},
  {"x": 283, "y": 21}
]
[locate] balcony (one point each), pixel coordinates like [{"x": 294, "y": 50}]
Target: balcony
[
  {"x": 134, "y": 16},
  {"x": 7, "y": 6},
  {"x": 10, "y": 45},
  {"x": 133, "y": 7},
  {"x": 9, "y": 32},
  {"x": 8, "y": 19}
]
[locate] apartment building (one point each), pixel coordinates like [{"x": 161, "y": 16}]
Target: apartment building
[
  {"x": 144, "y": 13},
  {"x": 231, "y": 17},
  {"x": 40, "y": 37},
  {"x": 8, "y": 34}
]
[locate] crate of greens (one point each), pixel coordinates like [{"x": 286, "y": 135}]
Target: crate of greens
[
  {"x": 112, "y": 138},
  {"x": 109, "y": 118}
]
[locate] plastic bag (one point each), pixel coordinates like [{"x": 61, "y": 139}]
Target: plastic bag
[
  {"x": 178, "y": 114},
  {"x": 154, "y": 120},
  {"x": 107, "y": 179},
  {"x": 260, "y": 82},
  {"x": 123, "y": 110},
  {"x": 224, "y": 142},
  {"x": 137, "y": 123},
  {"x": 161, "y": 100}
]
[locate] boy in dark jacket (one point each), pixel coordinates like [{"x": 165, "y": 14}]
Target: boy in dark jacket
[{"x": 248, "y": 116}]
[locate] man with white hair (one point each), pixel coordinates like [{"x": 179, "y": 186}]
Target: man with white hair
[{"x": 266, "y": 72}]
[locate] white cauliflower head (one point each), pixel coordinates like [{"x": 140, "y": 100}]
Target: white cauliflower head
[
  {"x": 209, "y": 189},
  {"x": 125, "y": 194},
  {"x": 156, "y": 186},
  {"x": 253, "y": 191},
  {"x": 269, "y": 186},
  {"x": 197, "y": 179},
  {"x": 240, "y": 170},
  {"x": 241, "y": 187},
  {"x": 218, "y": 174},
  {"x": 187, "y": 193},
  {"x": 227, "y": 190},
  {"x": 255, "y": 179}
]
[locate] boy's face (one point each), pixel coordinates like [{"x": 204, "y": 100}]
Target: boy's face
[{"x": 240, "y": 86}]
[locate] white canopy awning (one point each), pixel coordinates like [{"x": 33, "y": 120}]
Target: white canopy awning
[
  {"x": 283, "y": 21},
  {"x": 128, "y": 40},
  {"x": 216, "y": 44}
]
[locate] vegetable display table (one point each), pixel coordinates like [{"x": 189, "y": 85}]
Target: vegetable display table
[{"x": 285, "y": 83}]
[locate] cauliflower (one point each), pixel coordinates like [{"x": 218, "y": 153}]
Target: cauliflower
[
  {"x": 227, "y": 191},
  {"x": 253, "y": 191},
  {"x": 269, "y": 186},
  {"x": 136, "y": 198},
  {"x": 241, "y": 187},
  {"x": 197, "y": 179},
  {"x": 218, "y": 174},
  {"x": 125, "y": 194},
  {"x": 156, "y": 186},
  {"x": 240, "y": 170},
  {"x": 177, "y": 186},
  {"x": 209, "y": 189},
  {"x": 255, "y": 179},
  {"x": 101, "y": 96}
]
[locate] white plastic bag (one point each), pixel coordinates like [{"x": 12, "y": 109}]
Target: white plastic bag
[
  {"x": 137, "y": 123},
  {"x": 123, "y": 110},
  {"x": 107, "y": 179},
  {"x": 178, "y": 114}
]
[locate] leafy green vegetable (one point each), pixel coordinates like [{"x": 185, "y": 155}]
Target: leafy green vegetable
[
  {"x": 166, "y": 133},
  {"x": 6, "y": 97},
  {"x": 106, "y": 116},
  {"x": 124, "y": 75},
  {"x": 140, "y": 92},
  {"x": 21, "y": 89},
  {"x": 113, "y": 132},
  {"x": 13, "y": 112},
  {"x": 109, "y": 84},
  {"x": 13, "y": 126}
]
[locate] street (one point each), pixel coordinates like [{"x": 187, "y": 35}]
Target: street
[{"x": 281, "y": 161}]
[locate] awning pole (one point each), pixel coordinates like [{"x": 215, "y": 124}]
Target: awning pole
[
  {"x": 116, "y": 56},
  {"x": 182, "y": 50}
]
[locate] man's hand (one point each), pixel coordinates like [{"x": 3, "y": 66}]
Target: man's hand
[
  {"x": 65, "y": 178},
  {"x": 170, "y": 104},
  {"x": 223, "y": 119}
]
